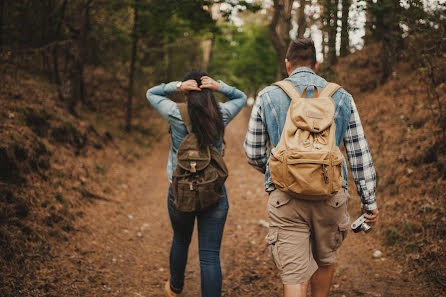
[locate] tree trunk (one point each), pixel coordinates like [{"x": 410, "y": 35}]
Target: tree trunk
[
  {"x": 207, "y": 48},
  {"x": 2, "y": 5},
  {"x": 69, "y": 91},
  {"x": 54, "y": 50},
  {"x": 324, "y": 45},
  {"x": 72, "y": 87},
  {"x": 279, "y": 30},
  {"x": 128, "y": 123},
  {"x": 391, "y": 34},
  {"x": 332, "y": 22},
  {"x": 85, "y": 28},
  {"x": 368, "y": 22},
  {"x": 324, "y": 28},
  {"x": 207, "y": 44},
  {"x": 345, "y": 45},
  {"x": 301, "y": 22}
]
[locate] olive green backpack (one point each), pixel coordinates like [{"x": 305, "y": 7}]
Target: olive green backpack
[{"x": 200, "y": 174}]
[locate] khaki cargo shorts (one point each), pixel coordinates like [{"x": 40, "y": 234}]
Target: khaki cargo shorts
[{"x": 305, "y": 234}]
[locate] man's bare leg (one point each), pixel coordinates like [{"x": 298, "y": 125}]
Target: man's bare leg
[
  {"x": 299, "y": 290},
  {"x": 321, "y": 281}
]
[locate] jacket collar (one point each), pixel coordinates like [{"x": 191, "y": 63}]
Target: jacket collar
[{"x": 302, "y": 69}]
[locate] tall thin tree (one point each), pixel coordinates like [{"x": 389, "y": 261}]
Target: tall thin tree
[
  {"x": 302, "y": 20},
  {"x": 2, "y": 5},
  {"x": 345, "y": 44},
  {"x": 57, "y": 36},
  {"x": 85, "y": 28},
  {"x": 332, "y": 23},
  {"x": 279, "y": 29},
  {"x": 369, "y": 20},
  {"x": 135, "y": 36}
]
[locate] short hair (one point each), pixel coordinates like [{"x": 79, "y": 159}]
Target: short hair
[{"x": 301, "y": 52}]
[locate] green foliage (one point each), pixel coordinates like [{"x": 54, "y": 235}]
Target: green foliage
[
  {"x": 429, "y": 26},
  {"x": 167, "y": 33},
  {"x": 244, "y": 57}
]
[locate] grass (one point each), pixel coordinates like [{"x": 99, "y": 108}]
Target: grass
[{"x": 99, "y": 168}]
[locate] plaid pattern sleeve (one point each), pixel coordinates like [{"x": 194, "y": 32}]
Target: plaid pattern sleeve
[
  {"x": 360, "y": 159},
  {"x": 256, "y": 139}
]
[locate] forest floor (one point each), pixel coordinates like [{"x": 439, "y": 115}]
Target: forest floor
[{"x": 121, "y": 245}]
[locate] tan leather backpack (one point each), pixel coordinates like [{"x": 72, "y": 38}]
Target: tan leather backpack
[{"x": 306, "y": 163}]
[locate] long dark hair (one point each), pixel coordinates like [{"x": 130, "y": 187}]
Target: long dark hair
[{"x": 204, "y": 112}]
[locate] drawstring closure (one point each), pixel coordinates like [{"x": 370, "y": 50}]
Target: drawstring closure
[{"x": 317, "y": 139}]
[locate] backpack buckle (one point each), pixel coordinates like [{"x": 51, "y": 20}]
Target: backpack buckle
[{"x": 193, "y": 166}]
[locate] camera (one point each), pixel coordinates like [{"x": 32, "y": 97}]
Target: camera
[{"x": 360, "y": 224}]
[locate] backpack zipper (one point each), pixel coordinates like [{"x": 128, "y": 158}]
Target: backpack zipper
[{"x": 325, "y": 174}]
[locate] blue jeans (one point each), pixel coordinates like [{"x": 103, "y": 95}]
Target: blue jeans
[{"x": 211, "y": 223}]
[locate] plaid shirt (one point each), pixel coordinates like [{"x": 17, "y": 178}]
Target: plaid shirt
[{"x": 358, "y": 152}]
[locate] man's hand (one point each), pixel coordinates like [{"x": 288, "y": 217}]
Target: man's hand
[
  {"x": 209, "y": 83},
  {"x": 189, "y": 85},
  {"x": 371, "y": 218}
]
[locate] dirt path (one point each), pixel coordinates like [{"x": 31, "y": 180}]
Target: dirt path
[{"x": 122, "y": 247}]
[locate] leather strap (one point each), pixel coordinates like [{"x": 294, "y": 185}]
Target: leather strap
[
  {"x": 329, "y": 90},
  {"x": 315, "y": 93},
  {"x": 289, "y": 88},
  {"x": 185, "y": 116},
  {"x": 186, "y": 120}
]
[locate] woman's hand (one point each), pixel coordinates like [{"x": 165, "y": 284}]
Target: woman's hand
[
  {"x": 189, "y": 85},
  {"x": 209, "y": 83}
]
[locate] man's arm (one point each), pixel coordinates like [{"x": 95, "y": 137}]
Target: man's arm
[
  {"x": 256, "y": 139},
  {"x": 361, "y": 163}
]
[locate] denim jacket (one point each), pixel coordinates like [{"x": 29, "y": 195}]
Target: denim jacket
[
  {"x": 170, "y": 112},
  {"x": 268, "y": 118}
]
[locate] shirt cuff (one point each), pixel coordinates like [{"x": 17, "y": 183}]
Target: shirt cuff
[
  {"x": 171, "y": 87},
  {"x": 224, "y": 88},
  {"x": 370, "y": 206}
]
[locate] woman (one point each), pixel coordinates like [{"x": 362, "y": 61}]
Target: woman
[{"x": 208, "y": 121}]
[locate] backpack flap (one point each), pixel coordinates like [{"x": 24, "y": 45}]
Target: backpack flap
[
  {"x": 314, "y": 115},
  {"x": 190, "y": 158}
]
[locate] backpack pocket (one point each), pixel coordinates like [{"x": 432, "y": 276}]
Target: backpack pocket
[
  {"x": 337, "y": 174},
  {"x": 192, "y": 194},
  {"x": 209, "y": 192},
  {"x": 277, "y": 168},
  {"x": 308, "y": 176},
  {"x": 311, "y": 175},
  {"x": 184, "y": 198}
]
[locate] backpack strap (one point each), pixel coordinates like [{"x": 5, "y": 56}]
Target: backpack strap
[
  {"x": 315, "y": 92},
  {"x": 185, "y": 116},
  {"x": 186, "y": 119},
  {"x": 288, "y": 88},
  {"x": 329, "y": 90}
]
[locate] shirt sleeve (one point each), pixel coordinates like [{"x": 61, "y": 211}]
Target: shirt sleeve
[
  {"x": 162, "y": 104},
  {"x": 255, "y": 144},
  {"x": 360, "y": 160},
  {"x": 237, "y": 99}
]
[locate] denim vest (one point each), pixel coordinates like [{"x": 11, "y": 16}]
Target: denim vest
[{"x": 275, "y": 103}]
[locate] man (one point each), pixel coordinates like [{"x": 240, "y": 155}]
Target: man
[{"x": 304, "y": 235}]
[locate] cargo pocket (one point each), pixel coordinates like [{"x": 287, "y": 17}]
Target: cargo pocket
[
  {"x": 341, "y": 234},
  {"x": 272, "y": 241},
  {"x": 339, "y": 199},
  {"x": 278, "y": 198}
]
